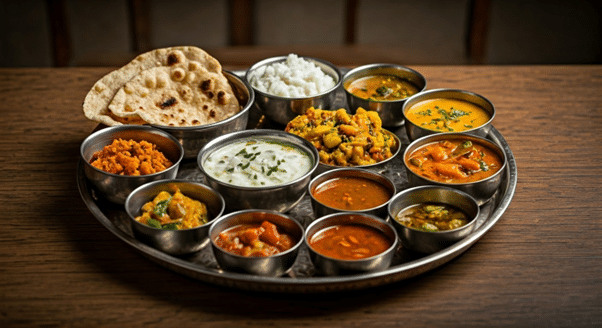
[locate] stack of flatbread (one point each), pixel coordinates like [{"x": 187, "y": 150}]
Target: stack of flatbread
[{"x": 178, "y": 86}]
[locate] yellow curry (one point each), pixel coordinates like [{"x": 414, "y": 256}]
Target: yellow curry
[
  {"x": 343, "y": 139},
  {"x": 447, "y": 115},
  {"x": 173, "y": 212}
]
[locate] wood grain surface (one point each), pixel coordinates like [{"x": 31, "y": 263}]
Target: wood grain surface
[{"x": 540, "y": 265}]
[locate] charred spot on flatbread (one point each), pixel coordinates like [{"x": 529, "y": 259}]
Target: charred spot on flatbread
[
  {"x": 174, "y": 58},
  {"x": 205, "y": 85},
  {"x": 221, "y": 97},
  {"x": 167, "y": 103}
]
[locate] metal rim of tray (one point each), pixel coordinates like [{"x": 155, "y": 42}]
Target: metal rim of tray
[{"x": 314, "y": 284}]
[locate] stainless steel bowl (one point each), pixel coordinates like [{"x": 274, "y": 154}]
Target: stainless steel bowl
[
  {"x": 275, "y": 265},
  {"x": 428, "y": 241},
  {"x": 321, "y": 209},
  {"x": 390, "y": 112},
  {"x": 481, "y": 190},
  {"x": 115, "y": 187},
  {"x": 377, "y": 167},
  {"x": 283, "y": 109},
  {"x": 415, "y": 131},
  {"x": 193, "y": 138},
  {"x": 279, "y": 198},
  {"x": 331, "y": 266},
  {"x": 174, "y": 242}
]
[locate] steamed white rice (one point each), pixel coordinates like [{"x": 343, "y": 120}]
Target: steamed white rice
[{"x": 293, "y": 78}]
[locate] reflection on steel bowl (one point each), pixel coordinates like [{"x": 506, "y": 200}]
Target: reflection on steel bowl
[
  {"x": 425, "y": 241},
  {"x": 351, "y": 190},
  {"x": 115, "y": 187},
  {"x": 274, "y": 263},
  {"x": 180, "y": 241},
  {"x": 447, "y": 111},
  {"x": 282, "y": 109},
  {"x": 261, "y": 169},
  {"x": 349, "y": 252},
  {"x": 390, "y": 110},
  {"x": 461, "y": 161},
  {"x": 193, "y": 138}
]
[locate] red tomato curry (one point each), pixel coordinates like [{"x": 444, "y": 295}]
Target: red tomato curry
[
  {"x": 350, "y": 242},
  {"x": 352, "y": 193},
  {"x": 259, "y": 240},
  {"x": 454, "y": 161}
]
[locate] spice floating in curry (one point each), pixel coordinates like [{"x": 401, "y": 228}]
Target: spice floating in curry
[
  {"x": 432, "y": 217},
  {"x": 447, "y": 115},
  {"x": 381, "y": 87},
  {"x": 343, "y": 139},
  {"x": 256, "y": 240},
  {"x": 129, "y": 157},
  {"x": 350, "y": 242},
  {"x": 173, "y": 212},
  {"x": 454, "y": 161},
  {"x": 351, "y": 193}
]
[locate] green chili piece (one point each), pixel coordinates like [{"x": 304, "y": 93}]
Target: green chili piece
[
  {"x": 170, "y": 226},
  {"x": 153, "y": 223}
]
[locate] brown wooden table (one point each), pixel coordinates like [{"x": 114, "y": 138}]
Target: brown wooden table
[{"x": 540, "y": 265}]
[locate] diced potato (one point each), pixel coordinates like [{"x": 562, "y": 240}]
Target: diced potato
[{"x": 332, "y": 140}]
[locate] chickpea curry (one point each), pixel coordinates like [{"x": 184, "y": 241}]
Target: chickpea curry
[
  {"x": 173, "y": 212},
  {"x": 343, "y": 139},
  {"x": 381, "y": 87},
  {"x": 256, "y": 240},
  {"x": 432, "y": 217},
  {"x": 454, "y": 161}
]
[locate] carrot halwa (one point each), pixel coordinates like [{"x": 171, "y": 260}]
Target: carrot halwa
[{"x": 128, "y": 157}]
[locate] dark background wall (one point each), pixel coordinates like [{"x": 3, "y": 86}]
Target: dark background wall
[{"x": 421, "y": 32}]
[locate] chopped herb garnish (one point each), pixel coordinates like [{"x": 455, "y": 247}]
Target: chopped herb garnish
[{"x": 161, "y": 207}]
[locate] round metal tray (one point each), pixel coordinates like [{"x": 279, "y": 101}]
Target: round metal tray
[{"x": 302, "y": 278}]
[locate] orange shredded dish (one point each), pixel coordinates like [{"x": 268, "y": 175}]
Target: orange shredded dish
[{"x": 128, "y": 157}]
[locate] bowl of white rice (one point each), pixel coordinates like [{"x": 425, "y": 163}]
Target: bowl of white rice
[{"x": 286, "y": 86}]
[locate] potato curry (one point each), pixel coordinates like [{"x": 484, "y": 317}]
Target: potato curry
[
  {"x": 173, "y": 212},
  {"x": 343, "y": 139}
]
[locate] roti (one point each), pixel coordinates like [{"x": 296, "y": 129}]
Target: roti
[
  {"x": 175, "y": 96},
  {"x": 96, "y": 103}
]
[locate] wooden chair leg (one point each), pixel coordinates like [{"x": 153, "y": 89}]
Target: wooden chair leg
[
  {"x": 59, "y": 32},
  {"x": 350, "y": 21},
  {"x": 478, "y": 25},
  {"x": 140, "y": 26},
  {"x": 242, "y": 22}
]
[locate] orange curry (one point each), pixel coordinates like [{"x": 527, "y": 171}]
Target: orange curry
[
  {"x": 351, "y": 193},
  {"x": 454, "y": 161},
  {"x": 350, "y": 242},
  {"x": 258, "y": 240},
  {"x": 129, "y": 157}
]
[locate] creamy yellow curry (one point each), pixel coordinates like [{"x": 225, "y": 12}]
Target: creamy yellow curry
[
  {"x": 447, "y": 115},
  {"x": 173, "y": 212}
]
